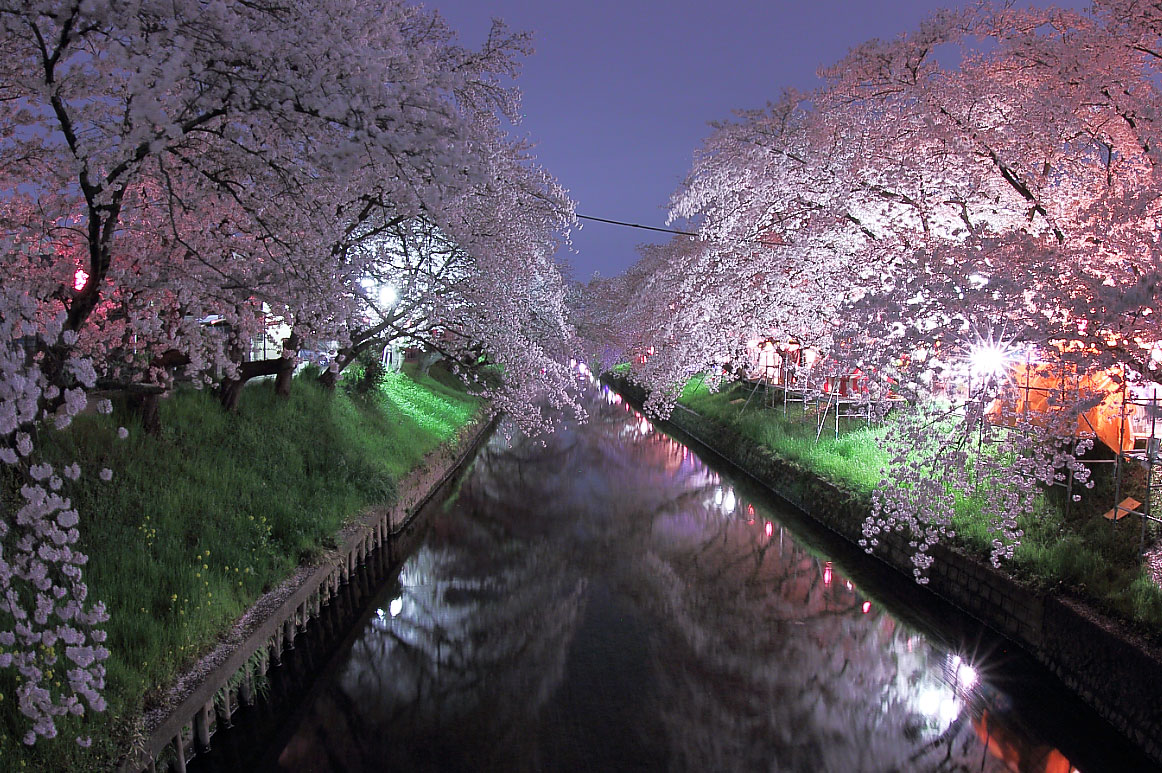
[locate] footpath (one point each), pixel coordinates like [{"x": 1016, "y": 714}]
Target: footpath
[{"x": 1116, "y": 672}]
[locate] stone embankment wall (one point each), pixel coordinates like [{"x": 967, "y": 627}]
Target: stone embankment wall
[
  {"x": 207, "y": 696},
  {"x": 1116, "y": 672}
]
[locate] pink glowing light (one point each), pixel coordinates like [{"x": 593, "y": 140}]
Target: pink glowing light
[
  {"x": 80, "y": 279},
  {"x": 827, "y": 573},
  {"x": 769, "y": 528},
  {"x": 866, "y": 607}
]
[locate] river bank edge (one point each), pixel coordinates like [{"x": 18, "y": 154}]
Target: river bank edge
[
  {"x": 209, "y": 691},
  {"x": 1112, "y": 669}
]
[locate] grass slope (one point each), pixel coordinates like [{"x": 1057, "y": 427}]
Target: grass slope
[
  {"x": 1083, "y": 554},
  {"x": 198, "y": 522}
]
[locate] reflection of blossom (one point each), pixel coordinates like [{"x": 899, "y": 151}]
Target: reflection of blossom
[
  {"x": 810, "y": 682},
  {"x": 758, "y": 654}
]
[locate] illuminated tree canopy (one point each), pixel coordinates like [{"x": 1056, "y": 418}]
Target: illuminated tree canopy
[
  {"x": 178, "y": 177},
  {"x": 987, "y": 182}
]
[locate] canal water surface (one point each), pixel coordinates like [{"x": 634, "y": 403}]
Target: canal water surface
[{"x": 603, "y": 600}]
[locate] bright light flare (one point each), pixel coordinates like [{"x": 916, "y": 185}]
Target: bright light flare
[
  {"x": 80, "y": 279},
  {"x": 991, "y": 357},
  {"x": 966, "y": 676},
  {"x": 988, "y": 360}
]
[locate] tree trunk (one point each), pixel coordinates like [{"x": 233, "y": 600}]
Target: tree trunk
[
  {"x": 427, "y": 360},
  {"x": 230, "y": 390},
  {"x": 282, "y": 380},
  {"x": 148, "y": 406},
  {"x": 344, "y": 357},
  {"x": 329, "y": 378}
]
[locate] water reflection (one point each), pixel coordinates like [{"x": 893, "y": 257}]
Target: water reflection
[{"x": 606, "y": 601}]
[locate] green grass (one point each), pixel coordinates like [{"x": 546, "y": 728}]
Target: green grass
[
  {"x": 200, "y": 521},
  {"x": 1082, "y": 554},
  {"x": 854, "y": 458}
]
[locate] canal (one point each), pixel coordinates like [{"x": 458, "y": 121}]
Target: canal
[{"x": 604, "y": 600}]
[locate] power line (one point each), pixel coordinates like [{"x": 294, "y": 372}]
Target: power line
[
  {"x": 742, "y": 240},
  {"x": 635, "y": 225}
]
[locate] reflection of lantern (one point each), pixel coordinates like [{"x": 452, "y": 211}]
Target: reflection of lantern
[
  {"x": 827, "y": 573},
  {"x": 1018, "y": 752}
]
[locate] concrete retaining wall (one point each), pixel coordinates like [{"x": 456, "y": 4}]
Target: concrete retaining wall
[
  {"x": 225, "y": 679},
  {"x": 1114, "y": 671}
]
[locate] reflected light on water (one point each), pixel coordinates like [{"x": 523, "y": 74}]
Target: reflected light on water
[
  {"x": 966, "y": 675},
  {"x": 938, "y": 705},
  {"x": 555, "y": 579}
]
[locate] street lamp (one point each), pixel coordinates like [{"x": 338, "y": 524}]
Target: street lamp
[{"x": 989, "y": 360}]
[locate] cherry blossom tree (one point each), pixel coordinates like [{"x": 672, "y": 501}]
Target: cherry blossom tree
[
  {"x": 989, "y": 177},
  {"x": 169, "y": 166},
  {"x": 474, "y": 281},
  {"x": 1032, "y": 121}
]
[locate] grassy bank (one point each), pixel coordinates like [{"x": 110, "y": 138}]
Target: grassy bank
[
  {"x": 200, "y": 521},
  {"x": 1082, "y": 554}
]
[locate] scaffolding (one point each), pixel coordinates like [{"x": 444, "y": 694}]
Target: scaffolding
[
  {"x": 1142, "y": 413},
  {"x": 1127, "y": 420},
  {"x": 824, "y": 390}
]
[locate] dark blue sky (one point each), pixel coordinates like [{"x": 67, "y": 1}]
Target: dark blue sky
[{"x": 619, "y": 94}]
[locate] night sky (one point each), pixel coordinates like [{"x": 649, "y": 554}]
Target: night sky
[{"x": 619, "y": 94}]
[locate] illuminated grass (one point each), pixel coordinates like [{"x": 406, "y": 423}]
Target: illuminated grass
[
  {"x": 854, "y": 458},
  {"x": 429, "y": 405},
  {"x": 200, "y": 521}
]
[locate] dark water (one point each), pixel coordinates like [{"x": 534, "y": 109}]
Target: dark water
[{"x": 608, "y": 602}]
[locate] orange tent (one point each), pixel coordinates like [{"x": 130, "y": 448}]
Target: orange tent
[{"x": 1043, "y": 389}]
